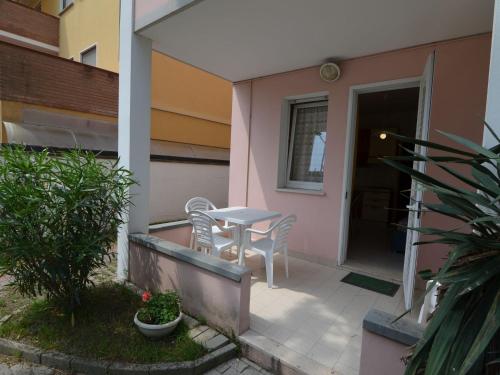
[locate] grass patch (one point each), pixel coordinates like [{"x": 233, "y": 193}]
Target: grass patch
[{"x": 104, "y": 328}]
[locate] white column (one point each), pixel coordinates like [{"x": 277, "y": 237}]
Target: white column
[
  {"x": 134, "y": 119},
  {"x": 493, "y": 98}
]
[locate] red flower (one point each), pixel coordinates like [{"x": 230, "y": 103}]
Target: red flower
[{"x": 146, "y": 296}]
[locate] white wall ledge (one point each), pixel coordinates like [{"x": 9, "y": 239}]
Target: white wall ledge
[
  {"x": 168, "y": 225},
  {"x": 301, "y": 191},
  {"x": 218, "y": 266}
]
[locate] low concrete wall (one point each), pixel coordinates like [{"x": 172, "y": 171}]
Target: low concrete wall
[
  {"x": 384, "y": 343},
  {"x": 211, "y": 288}
]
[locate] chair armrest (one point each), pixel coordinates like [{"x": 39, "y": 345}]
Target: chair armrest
[
  {"x": 261, "y": 232},
  {"x": 227, "y": 228},
  {"x": 247, "y": 236}
]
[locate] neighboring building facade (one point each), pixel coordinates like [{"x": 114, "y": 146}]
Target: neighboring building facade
[
  {"x": 188, "y": 105},
  {"x": 48, "y": 100}
]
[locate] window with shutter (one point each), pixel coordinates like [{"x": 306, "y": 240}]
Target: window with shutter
[
  {"x": 63, "y": 4},
  {"x": 89, "y": 56},
  {"x": 305, "y": 135}
]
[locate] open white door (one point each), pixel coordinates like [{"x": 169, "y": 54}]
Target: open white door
[{"x": 424, "y": 110}]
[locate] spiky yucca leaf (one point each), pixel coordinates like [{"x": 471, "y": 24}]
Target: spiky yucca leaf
[{"x": 468, "y": 315}]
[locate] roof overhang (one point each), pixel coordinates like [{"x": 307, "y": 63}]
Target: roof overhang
[{"x": 242, "y": 39}]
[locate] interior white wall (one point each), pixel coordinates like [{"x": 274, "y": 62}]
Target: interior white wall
[{"x": 173, "y": 184}]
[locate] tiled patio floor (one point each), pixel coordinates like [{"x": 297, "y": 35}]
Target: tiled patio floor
[{"x": 312, "y": 320}]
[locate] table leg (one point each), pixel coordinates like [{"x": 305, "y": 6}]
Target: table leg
[{"x": 241, "y": 245}]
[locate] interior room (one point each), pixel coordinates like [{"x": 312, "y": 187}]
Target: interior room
[{"x": 377, "y": 238}]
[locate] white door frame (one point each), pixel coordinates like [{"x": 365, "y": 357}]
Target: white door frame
[
  {"x": 416, "y": 196},
  {"x": 354, "y": 93}
]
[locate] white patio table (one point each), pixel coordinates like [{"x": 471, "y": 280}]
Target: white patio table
[{"x": 243, "y": 217}]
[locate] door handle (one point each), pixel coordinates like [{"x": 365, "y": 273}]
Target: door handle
[{"x": 417, "y": 206}]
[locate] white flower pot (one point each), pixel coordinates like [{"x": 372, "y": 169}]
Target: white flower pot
[{"x": 156, "y": 330}]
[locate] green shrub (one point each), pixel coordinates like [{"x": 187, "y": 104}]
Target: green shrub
[
  {"x": 159, "y": 308},
  {"x": 58, "y": 219}
]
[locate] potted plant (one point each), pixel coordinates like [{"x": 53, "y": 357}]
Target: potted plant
[{"x": 160, "y": 314}]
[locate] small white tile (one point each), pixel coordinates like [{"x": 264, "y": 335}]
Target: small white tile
[
  {"x": 301, "y": 342},
  {"x": 350, "y": 358},
  {"x": 337, "y": 338},
  {"x": 340, "y": 369},
  {"x": 324, "y": 353},
  {"x": 278, "y": 333},
  {"x": 314, "y": 327},
  {"x": 302, "y": 362},
  {"x": 356, "y": 340},
  {"x": 259, "y": 324}
]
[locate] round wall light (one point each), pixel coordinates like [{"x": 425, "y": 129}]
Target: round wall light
[
  {"x": 329, "y": 72},
  {"x": 382, "y": 136}
]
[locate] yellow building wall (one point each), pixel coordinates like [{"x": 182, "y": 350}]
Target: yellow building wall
[
  {"x": 51, "y": 7},
  {"x": 188, "y": 104},
  {"x": 86, "y": 23}
]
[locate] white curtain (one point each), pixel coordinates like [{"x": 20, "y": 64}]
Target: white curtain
[{"x": 309, "y": 139}]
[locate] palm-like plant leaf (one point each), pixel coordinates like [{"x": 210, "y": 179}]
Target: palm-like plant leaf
[{"x": 468, "y": 314}]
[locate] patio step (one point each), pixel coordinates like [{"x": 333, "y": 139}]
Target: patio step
[{"x": 277, "y": 358}]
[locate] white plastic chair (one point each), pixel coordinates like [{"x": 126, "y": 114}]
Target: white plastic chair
[
  {"x": 430, "y": 302},
  {"x": 204, "y": 236},
  {"x": 274, "y": 241},
  {"x": 201, "y": 204}
]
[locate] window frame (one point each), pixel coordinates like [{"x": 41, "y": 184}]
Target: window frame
[
  {"x": 89, "y": 48},
  {"x": 288, "y": 123},
  {"x": 62, "y": 5}
]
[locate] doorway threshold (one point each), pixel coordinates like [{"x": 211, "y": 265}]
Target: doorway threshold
[{"x": 373, "y": 271}]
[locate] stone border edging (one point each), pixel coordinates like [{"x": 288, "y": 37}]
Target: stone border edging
[
  {"x": 77, "y": 364},
  {"x": 403, "y": 331}
]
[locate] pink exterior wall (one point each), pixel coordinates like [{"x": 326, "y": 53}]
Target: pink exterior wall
[
  {"x": 381, "y": 356},
  {"x": 180, "y": 235},
  {"x": 458, "y": 104},
  {"x": 223, "y": 302}
]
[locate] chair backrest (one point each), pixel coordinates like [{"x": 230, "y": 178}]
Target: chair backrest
[
  {"x": 202, "y": 224},
  {"x": 199, "y": 204},
  {"x": 281, "y": 230}
]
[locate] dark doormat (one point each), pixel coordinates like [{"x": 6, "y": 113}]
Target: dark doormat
[{"x": 371, "y": 283}]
